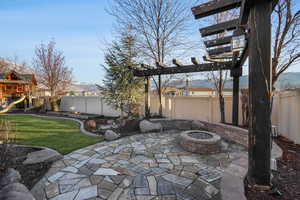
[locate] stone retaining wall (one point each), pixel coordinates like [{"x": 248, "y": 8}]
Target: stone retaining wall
[
  {"x": 227, "y": 132},
  {"x": 239, "y": 135}
]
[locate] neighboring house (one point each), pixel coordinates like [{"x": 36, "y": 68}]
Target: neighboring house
[
  {"x": 194, "y": 91},
  {"x": 204, "y": 91},
  {"x": 14, "y": 85},
  {"x": 171, "y": 91}
]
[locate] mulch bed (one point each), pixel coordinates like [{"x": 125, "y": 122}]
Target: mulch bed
[{"x": 286, "y": 181}]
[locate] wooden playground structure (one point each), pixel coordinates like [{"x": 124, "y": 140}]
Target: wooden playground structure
[{"x": 16, "y": 88}]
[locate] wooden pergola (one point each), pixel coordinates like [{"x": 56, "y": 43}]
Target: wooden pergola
[{"x": 254, "y": 22}]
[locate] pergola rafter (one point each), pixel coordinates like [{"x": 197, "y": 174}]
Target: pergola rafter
[
  {"x": 218, "y": 42},
  {"x": 219, "y": 28},
  {"x": 214, "y": 7},
  {"x": 218, "y": 51}
]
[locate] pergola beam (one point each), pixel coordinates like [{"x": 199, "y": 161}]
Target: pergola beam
[
  {"x": 218, "y": 51},
  {"x": 218, "y": 41},
  {"x": 184, "y": 69},
  {"x": 244, "y": 12},
  {"x": 214, "y": 7},
  {"x": 219, "y": 28}
]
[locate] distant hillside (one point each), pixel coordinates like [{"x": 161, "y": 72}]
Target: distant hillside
[{"x": 286, "y": 81}]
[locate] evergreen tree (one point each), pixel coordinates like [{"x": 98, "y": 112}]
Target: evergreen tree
[{"x": 120, "y": 88}]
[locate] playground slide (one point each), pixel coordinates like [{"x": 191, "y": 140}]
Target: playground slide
[{"x": 11, "y": 105}]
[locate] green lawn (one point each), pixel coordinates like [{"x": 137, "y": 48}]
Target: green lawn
[{"x": 59, "y": 134}]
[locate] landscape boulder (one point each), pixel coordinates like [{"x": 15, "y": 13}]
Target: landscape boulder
[
  {"x": 13, "y": 195},
  {"x": 111, "y": 135},
  {"x": 10, "y": 176},
  {"x": 92, "y": 124},
  {"x": 11, "y": 188},
  {"x": 17, "y": 187},
  {"x": 43, "y": 156},
  {"x": 147, "y": 126}
]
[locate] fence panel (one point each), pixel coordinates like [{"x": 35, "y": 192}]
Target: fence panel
[{"x": 88, "y": 104}]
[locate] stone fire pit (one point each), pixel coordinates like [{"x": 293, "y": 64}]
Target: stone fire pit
[{"x": 201, "y": 142}]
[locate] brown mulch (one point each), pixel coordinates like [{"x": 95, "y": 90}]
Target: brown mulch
[{"x": 286, "y": 181}]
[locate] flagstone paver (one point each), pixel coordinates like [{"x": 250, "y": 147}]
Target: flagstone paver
[{"x": 147, "y": 166}]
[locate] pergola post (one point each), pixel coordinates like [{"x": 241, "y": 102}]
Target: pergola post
[
  {"x": 235, "y": 73},
  {"x": 259, "y": 172},
  {"x": 147, "y": 108}
]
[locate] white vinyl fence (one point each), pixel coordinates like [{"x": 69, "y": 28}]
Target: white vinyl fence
[
  {"x": 286, "y": 109},
  {"x": 87, "y": 104},
  {"x": 285, "y": 114}
]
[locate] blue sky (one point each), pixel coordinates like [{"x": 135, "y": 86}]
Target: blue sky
[{"x": 80, "y": 29}]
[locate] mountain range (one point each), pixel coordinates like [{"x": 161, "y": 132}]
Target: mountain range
[{"x": 289, "y": 80}]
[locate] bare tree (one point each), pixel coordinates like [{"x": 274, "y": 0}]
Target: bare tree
[
  {"x": 286, "y": 45},
  {"x": 4, "y": 65},
  {"x": 160, "y": 27},
  {"x": 50, "y": 68},
  {"x": 7, "y": 64},
  {"x": 220, "y": 77}
]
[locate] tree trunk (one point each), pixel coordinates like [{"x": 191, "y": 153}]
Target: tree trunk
[
  {"x": 160, "y": 96},
  {"x": 222, "y": 108},
  {"x": 221, "y": 98},
  {"x": 147, "y": 109}
]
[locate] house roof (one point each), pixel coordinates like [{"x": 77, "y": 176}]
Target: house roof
[
  {"x": 197, "y": 88},
  {"x": 24, "y": 78}
]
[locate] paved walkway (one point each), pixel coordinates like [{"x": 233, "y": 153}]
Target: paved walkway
[{"x": 143, "y": 167}]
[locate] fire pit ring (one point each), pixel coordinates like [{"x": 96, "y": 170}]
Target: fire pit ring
[{"x": 201, "y": 142}]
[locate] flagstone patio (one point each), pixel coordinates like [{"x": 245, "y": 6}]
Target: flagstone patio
[{"x": 146, "y": 166}]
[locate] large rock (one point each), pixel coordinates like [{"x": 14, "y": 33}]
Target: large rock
[
  {"x": 92, "y": 124},
  {"x": 111, "y": 135},
  {"x": 13, "y": 195},
  {"x": 10, "y": 176},
  {"x": 45, "y": 155},
  {"x": 104, "y": 128},
  {"x": 17, "y": 187},
  {"x": 146, "y": 126}
]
